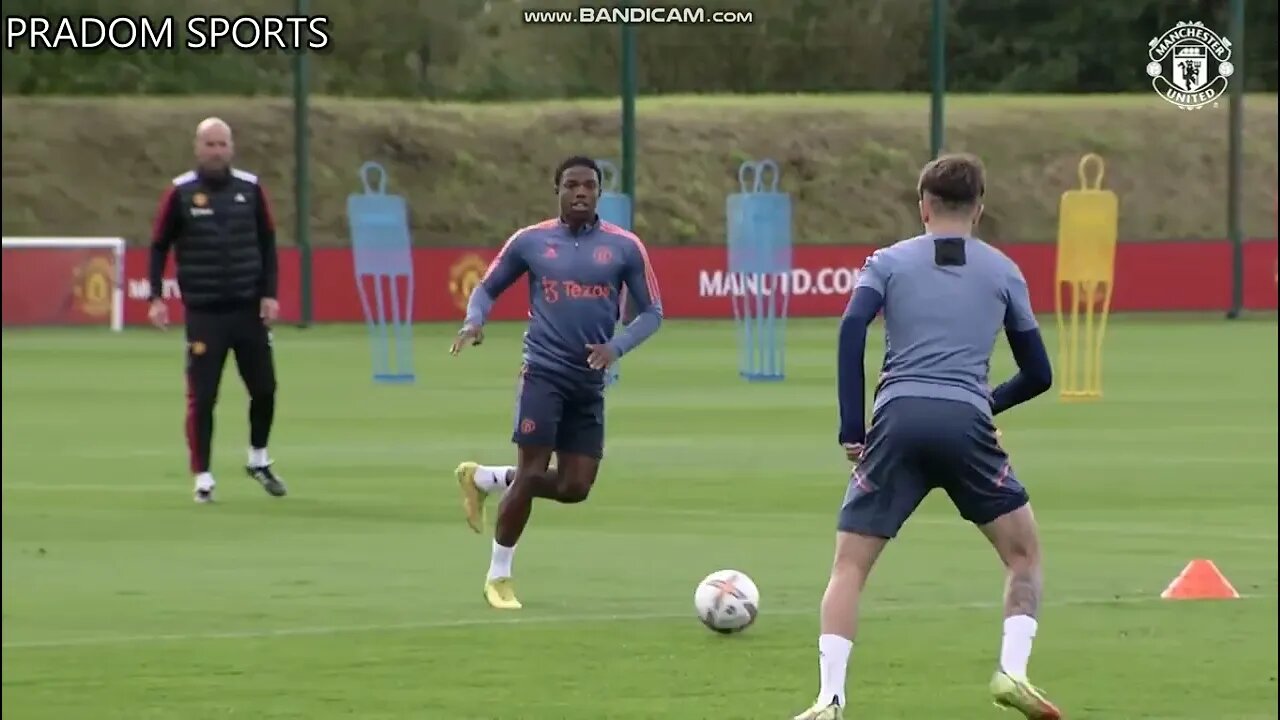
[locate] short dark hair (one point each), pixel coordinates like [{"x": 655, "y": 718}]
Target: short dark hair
[
  {"x": 956, "y": 181},
  {"x": 577, "y": 161}
]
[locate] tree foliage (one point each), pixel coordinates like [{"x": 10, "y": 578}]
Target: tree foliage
[{"x": 482, "y": 49}]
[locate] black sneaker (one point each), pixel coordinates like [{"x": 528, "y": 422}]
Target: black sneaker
[
  {"x": 204, "y": 495},
  {"x": 267, "y": 479}
]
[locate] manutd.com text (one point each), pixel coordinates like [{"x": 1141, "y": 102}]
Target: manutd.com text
[{"x": 682, "y": 15}]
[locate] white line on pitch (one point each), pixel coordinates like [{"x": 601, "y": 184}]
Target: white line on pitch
[{"x": 872, "y": 608}]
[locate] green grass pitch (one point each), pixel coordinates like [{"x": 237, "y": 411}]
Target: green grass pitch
[{"x": 358, "y": 596}]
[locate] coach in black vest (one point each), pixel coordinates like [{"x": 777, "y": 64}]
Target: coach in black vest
[{"x": 217, "y": 221}]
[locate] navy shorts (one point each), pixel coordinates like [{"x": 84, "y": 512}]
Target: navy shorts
[
  {"x": 916, "y": 444},
  {"x": 559, "y": 412}
]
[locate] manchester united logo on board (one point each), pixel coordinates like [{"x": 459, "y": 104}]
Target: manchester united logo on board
[
  {"x": 92, "y": 284},
  {"x": 465, "y": 274}
]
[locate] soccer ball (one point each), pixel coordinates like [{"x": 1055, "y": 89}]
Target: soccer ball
[{"x": 727, "y": 601}]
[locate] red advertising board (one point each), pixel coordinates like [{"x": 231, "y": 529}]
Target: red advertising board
[
  {"x": 57, "y": 286},
  {"x": 1150, "y": 276}
]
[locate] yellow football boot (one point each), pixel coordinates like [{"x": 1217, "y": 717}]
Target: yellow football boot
[
  {"x": 472, "y": 497},
  {"x": 1018, "y": 694},
  {"x": 501, "y": 594}
]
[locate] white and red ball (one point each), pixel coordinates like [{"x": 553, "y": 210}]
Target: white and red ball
[{"x": 727, "y": 601}]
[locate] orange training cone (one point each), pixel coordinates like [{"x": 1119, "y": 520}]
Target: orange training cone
[{"x": 1200, "y": 580}]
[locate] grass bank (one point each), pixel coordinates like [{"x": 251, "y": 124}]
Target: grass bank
[{"x": 472, "y": 173}]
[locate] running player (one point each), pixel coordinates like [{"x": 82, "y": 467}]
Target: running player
[
  {"x": 578, "y": 266},
  {"x": 495, "y": 479},
  {"x": 945, "y": 296}
]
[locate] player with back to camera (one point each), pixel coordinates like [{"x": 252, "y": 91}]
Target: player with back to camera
[
  {"x": 945, "y": 296},
  {"x": 578, "y": 267}
]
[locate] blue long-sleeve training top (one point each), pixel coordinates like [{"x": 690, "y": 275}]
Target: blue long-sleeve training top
[
  {"x": 575, "y": 290},
  {"x": 944, "y": 302}
]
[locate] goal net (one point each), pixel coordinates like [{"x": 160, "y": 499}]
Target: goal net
[{"x": 50, "y": 281}]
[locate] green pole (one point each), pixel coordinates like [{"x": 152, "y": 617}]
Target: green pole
[
  {"x": 302, "y": 173},
  {"x": 937, "y": 76},
  {"x": 628, "y": 82},
  {"x": 1235, "y": 159}
]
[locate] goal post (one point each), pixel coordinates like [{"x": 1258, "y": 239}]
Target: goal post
[{"x": 51, "y": 281}]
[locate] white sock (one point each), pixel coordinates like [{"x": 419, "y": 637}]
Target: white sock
[
  {"x": 258, "y": 457},
  {"x": 500, "y": 563},
  {"x": 204, "y": 481},
  {"x": 1015, "y": 650},
  {"x": 494, "y": 479},
  {"x": 833, "y": 664}
]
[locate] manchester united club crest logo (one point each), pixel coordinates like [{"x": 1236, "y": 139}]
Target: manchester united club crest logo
[
  {"x": 465, "y": 274},
  {"x": 1190, "y": 65},
  {"x": 92, "y": 284}
]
